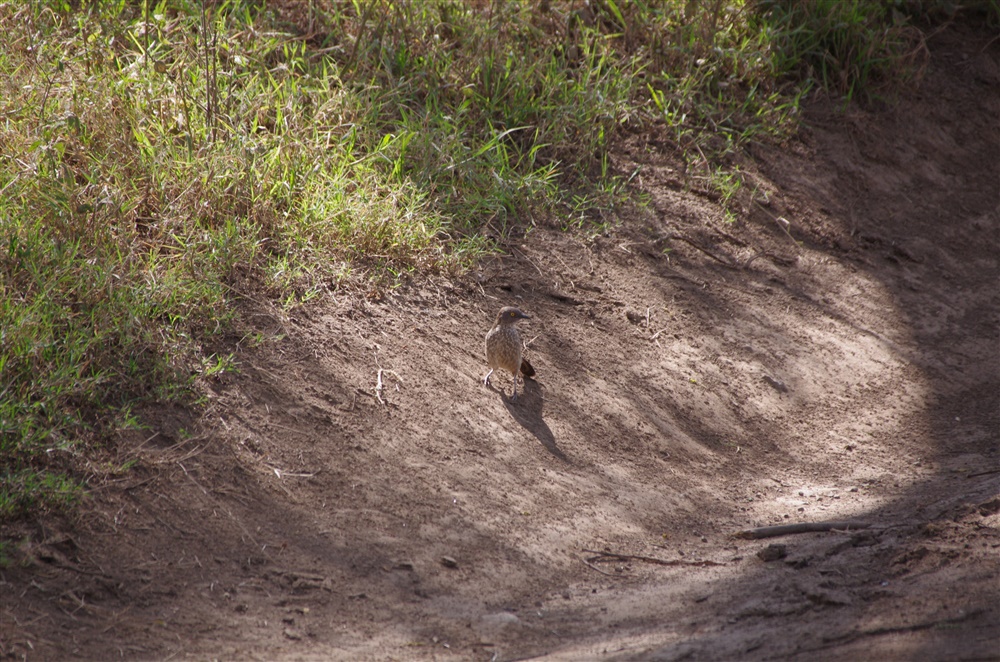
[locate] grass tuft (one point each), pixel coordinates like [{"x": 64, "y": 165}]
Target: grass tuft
[{"x": 850, "y": 47}]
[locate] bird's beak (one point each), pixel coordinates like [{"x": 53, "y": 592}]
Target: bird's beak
[{"x": 525, "y": 316}]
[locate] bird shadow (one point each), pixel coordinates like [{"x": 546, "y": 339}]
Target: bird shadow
[{"x": 527, "y": 411}]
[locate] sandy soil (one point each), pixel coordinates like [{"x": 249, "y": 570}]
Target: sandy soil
[{"x": 832, "y": 356}]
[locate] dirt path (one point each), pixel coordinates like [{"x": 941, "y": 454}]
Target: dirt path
[{"x": 834, "y": 357}]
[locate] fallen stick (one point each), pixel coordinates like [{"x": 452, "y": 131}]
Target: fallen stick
[
  {"x": 983, "y": 473},
  {"x": 802, "y": 527},
  {"x": 645, "y": 559},
  {"x": 378, "y": 388},
  {"x": 701, "y": 248},
  {"x": 594, "y": 567}
]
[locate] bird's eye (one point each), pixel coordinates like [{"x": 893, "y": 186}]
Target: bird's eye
[{"x": 512, "y": 314}]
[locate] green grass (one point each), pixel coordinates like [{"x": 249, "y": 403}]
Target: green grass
[
  {"x": 852, "y": 47},
  {"x": 161, "y": 160}
]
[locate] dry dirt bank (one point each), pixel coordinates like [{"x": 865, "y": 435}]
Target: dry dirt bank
[{"x": 833, "y": 356}]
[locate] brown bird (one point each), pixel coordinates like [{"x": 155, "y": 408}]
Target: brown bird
[{"x": 504, "y": 347}]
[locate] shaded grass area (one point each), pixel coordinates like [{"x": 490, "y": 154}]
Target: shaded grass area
[{"x": 160, "y": 160}]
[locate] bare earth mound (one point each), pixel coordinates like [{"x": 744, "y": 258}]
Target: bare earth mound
[{"x": 357, "y": 493}]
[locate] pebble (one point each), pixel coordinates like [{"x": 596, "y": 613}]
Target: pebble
[{"x": 773, "y": 553}]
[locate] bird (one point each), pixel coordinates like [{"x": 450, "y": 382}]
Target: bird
[{"x": 504, "y": 347}]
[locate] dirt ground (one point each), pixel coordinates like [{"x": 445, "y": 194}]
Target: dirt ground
[{"x": 357, "y": 493}]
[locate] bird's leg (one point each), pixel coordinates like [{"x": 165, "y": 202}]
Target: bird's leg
[
  {"x": 486, "y": 379},
  {"x": 513, "y": 395}
]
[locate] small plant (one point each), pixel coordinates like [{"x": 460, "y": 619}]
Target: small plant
[
  {"x": 28, "y": 491},
  {"x": 727, "y": 182}
]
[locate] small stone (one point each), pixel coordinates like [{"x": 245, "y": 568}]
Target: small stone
[
  {"x": 449, "y": 562},
  {"x": 773, "y": 553},
  {"x": 777, "y": 384}
]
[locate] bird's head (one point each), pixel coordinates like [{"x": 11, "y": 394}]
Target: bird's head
[{"x": 510, "y": 315}]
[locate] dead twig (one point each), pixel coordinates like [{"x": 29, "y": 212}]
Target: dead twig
[
  {"x": 749, "y": 260},
  {"x": 196, "y": 483},
  {"x": 801, "y": 527},
  {"x": 285, "y": 427},
  {"x": 700, "y": 248},
  {"x": 196, "y": 451},
  {"x": 528, "y": 260},
  {"x": 595, "y": 568},
  {"x": 612, "y": 556},
  {"x": 378, "y": 388},
  {"x": 983, "y": 473},
  {"x": 781, "y": 221},
  {"x": 281, "y": 474}
]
